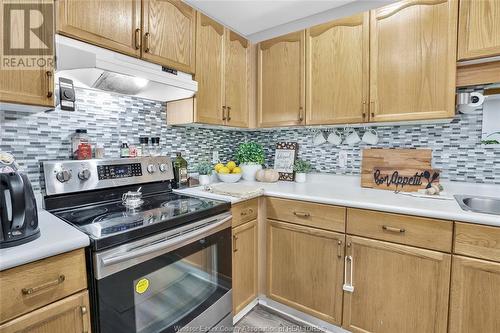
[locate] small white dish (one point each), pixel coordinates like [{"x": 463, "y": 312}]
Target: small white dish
[{"x": 229, "y": 177}]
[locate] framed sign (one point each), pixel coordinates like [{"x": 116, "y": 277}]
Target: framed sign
[
  {"x": 404, "y": 179},
  {"x": 284, "y": 159}
]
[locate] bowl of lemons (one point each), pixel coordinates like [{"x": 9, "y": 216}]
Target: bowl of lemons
[{"x": 228, "y": 173}]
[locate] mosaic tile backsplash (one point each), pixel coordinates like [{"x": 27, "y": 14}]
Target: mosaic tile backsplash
[{"x": 36, "y": 136}]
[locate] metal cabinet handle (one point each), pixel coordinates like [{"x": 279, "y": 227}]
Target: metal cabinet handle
[
  {"x": 228, "y": 113},
  {"x": 224, "y": 112},
  {"x": 146, "y": 42},
  {"x": 137, "y": 38},
  {"x": 235, "y": 238},
  {"x": 84, "y": 312},
  {"x": 393, "y": 229},
  {"x": 339, "y": 249},
  {"x": 32, "y": 290},
  {"x": 301, "y": 115},
  {"x": 302, "y": 214},
  {"x": 49, "y": 84},
  {"x": 364, "y": 109},
  {"x": 372, "y": 108}
]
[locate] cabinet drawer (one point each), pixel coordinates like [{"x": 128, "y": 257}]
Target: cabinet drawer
[
  {"x": 404, "y": 229},
  {"x": 477, "y": 241},
  {"x": 36, "y": 284},
  {"x": 245, "y": 211},
  {"x": 307, "y": 213}
]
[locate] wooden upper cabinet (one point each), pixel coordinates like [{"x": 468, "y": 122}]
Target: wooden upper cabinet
[
  {"x": 210, "y": 97},
  {"x": 478, "y": 29},
  {"x": 244, "y": 265},
  {"x": 337, "y": 56},
  {"x": 413, "y": 60},
  {"x": 474, "y": 303},
  {"x": 113, "y": 24},
  {"x": 33, "y": 86},
  {"x": 397, "y": 288},
  {"x": 169, "y": 34},
  {"x": 281, "y": 81},
  {"x": 305, "y": 268},
  {"x": 236, "y": 79}
]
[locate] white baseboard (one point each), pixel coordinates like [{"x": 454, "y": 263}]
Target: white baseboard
[
  {"x": 288, "y": 312},
  {"x": 245, "y": 310}
]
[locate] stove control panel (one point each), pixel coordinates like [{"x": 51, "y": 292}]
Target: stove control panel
[{"x": 85, "y": 175}]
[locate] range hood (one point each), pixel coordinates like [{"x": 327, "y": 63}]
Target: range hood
[{"x": 97, "y": 68}]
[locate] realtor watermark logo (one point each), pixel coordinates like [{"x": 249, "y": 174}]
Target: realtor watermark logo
[{"x": 28, "y": 35}]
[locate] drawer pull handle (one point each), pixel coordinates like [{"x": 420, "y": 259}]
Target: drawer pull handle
[
  {"x": 49, "y": 84},
  {"x": 224, "y": 117},
  {"x": 302, "y": 214},
  {"x": 146, "y": 42},
  {"x": 339, "y": 249},
  {"x": 393, "y": 229},
  {"x": 137, "y": 39},
  {"x": 30, "y": 291},
  {"x": 228, "y": 113}
]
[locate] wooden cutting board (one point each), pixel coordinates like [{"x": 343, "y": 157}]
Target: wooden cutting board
[{"x": 388, "y": 158}]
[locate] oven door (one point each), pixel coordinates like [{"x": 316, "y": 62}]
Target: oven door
[{"x": 177, "y": 280}]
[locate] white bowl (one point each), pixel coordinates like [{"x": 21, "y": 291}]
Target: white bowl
[{"x": 229, "y": 177}]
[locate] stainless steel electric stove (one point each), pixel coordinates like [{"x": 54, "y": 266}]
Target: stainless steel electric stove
[{"x": 158, "y": 261}]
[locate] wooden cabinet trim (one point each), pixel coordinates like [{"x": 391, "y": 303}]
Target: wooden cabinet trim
[
  {"x": 471, "y": 75},
  {"x": 392, "y": 9},
  {"x": 288, "y": 38},
  {"x": 347, "y": 22},
  {"x": 234, "y": 36},
  {"x": 205, "y": 21}
]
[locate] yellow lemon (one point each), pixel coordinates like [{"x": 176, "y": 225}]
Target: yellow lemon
[
  {"x": 236, "y": 170},
  {"x": 218, "y": 166},
  {"x": 231, "y": 165},
  {"x": 224, "y": 170}
]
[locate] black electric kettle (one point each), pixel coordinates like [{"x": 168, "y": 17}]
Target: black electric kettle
[{"x": 18, "y": 211}]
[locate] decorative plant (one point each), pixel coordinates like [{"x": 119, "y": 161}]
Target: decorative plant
[
  {"x": 491, "y": 141},
  {"x": 301, "y": 166},
  {"x": 204, "y": 168},
  {"x": 250, "y": 153}
]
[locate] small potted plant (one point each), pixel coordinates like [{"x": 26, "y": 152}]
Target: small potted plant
[
  {"x": 301, "y": 167},
  {"x": 205, "y": 171},
  {"x": 250, "y": 156}
]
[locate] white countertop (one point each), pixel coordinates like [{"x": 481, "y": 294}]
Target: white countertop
[
  {"x": 347, "y": 191},
  {"x": 56, "y": 237}
]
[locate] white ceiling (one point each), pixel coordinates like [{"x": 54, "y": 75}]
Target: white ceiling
[{"x": 258, "y": 20}]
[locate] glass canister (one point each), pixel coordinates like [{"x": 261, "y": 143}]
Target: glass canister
[{"x": 81, "y": 149}]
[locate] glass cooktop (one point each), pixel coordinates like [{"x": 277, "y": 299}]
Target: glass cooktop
[{"x": 112, "y": 218}]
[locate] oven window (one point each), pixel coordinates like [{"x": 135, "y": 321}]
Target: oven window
[
  {"x": 169, "y": 291},
  {"x": 169, "y": 294}
]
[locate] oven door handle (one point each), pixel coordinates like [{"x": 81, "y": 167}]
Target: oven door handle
[{"x": 162, "y": 245}]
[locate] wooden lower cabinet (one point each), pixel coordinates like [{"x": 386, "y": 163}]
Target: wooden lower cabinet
[
  {"x": 244, "y": 265},
  {"x": 397, "y": 288},
  {"x": 69, "y": 315},
  {"x": 305, "y": 268},
  {"x": 475, "y": 302}
]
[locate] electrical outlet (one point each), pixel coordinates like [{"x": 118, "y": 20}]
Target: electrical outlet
[
  {"x": 215, "y": 156},
  {"x": 342, "y": 159}
]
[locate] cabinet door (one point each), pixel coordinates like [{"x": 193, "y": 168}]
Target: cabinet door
[
  {"x": 69, "y": 315},
  {"x": 475, "y": 306},
  {"x": 413, "y": 60},
  {"x": 34, "y": 86},
  {"x": 169, "y": 34},
  {"x": 236, "y": 76},
  {"x": 478, "y": 29},
  {"x": 244, "y": 265},
  {"x": 305, "y": 269},
  {"x": 337, "y": 55},
  {"x": 113, "y": 24},
  {"x": 281, "y": 79},
  {"x": 209, "y": 71},
  {"x": 397, "y": 288}
]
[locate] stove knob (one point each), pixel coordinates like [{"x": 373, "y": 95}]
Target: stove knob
[
  {"x": 84, "y": 174},
  {"x": 163, "y": 167},
  {"x": 63, "y": 176},
  {"x": 151, "y": 168}
]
